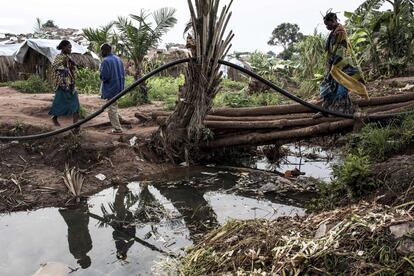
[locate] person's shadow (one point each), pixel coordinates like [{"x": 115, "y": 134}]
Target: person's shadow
[{"x": 79, "y": 239}]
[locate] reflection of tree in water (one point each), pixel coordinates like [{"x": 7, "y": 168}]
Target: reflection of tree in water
[
  {"x": 196, "y": 211},
  {"x": 79, "y": 239},
  {"x": 149, "y": 208}
]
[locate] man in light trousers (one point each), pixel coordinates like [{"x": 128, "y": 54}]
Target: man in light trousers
[{"x": 112, "y": 75}]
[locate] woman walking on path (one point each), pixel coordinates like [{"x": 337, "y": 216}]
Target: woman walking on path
[
  {"x": 66, "y": 101},
  {"x": 342, "y": 74}
]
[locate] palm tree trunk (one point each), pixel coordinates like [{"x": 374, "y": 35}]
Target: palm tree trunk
[
  {"x": 143, "y": 89},
  {"x": 179, "y": 139}
]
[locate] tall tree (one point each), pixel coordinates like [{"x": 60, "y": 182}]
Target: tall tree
[
  {"x": 180, "y": 137},
  {"x": 50, "y": 24},
  {"x": 139, "y": 34},
  {"x": 285, "y": 35},
  {"x": 101, "y": 35}
]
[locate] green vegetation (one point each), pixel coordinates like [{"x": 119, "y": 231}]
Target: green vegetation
[
  {"x": 163, "y": 89},
  {"x": 310, "y": 64},
  {"x": 34, "y": 84},
  {"x": 286, "y": 35},
  {"x": 277, "y": 71},
  {"x": 133, "y": 98},
  {"x": 380, "y": 142},
  {"x": 383, "y": 39},
  {"x": 87, "y": 81},
  {"x": 101, "y": 35},
  {"x": 228, "y": 85},
  {"x": 375, "y": 143},
  {"x": 242, "y": 99}
]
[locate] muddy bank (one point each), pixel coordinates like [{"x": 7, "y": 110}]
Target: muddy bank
[
  {"x": 397, "y": 177},
  {"x": 31, "y": 172}
]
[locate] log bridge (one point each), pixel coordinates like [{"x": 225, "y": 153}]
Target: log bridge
[{"x": 290, "y": 122}]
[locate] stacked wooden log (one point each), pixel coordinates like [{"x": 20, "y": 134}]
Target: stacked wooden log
[{"x": 264, "y": 125}]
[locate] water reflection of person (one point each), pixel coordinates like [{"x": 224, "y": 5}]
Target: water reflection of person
[
  {"x": 124, "y": 231},
  {"x": 79, "y": 239}
]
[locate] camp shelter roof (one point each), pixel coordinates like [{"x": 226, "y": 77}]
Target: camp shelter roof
[
  {"x": 47, "y": 47},
  {"x": 8, "y": 50}
]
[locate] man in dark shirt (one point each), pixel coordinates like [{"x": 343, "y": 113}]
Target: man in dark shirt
[{"x": 112, "y": 75}]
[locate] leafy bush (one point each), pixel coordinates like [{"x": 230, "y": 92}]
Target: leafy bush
[
  {"x": 241, "y": 99},
  {"x": 133, "y": 98},
  {"x": 378, "y": 142},
  {"x": 164, "y": 88},
  {"x": 87, "y": 81},
  {"x": 230, "y": 85},
  {"x": 310, "y": 63},
  {"x": 351, "y": 179},
  {"x": 34, "y": 84},
  {"x": 355, "y": 175}
]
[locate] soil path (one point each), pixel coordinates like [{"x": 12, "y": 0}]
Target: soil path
[
  {"x": 31, "y": 172},
  {"x": 32, "y": 109}
]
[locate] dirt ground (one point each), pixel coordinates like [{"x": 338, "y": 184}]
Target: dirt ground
[{"x": 31, "y": 172}]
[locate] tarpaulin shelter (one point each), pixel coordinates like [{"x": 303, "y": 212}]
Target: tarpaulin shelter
[
  {"x": 8, "y": 67},
  {"x": 34, "y": 56}
]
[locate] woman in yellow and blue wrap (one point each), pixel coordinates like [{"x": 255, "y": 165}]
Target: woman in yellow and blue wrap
[
  {"x": 342, "y": 75},
  {"x": 66, "y": 101}
]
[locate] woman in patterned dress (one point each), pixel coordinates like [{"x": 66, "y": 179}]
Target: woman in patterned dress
[
  {"x": 66, "y": 101},
  {"x": 342, "y": 74}
]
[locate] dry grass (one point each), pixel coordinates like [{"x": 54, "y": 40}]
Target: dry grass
[{"x": 357, "y": 241}]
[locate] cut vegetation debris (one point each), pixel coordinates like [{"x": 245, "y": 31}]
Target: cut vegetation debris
[
  {"x": 73, "y": 180},
  {"x": 357, "y": 240}
]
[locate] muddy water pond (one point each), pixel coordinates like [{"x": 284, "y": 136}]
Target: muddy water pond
[
  {"x": 312, "y": 161},
  {"x": 127, "y": 229}
]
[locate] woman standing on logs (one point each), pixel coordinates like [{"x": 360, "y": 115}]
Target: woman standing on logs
[
  {"x": 66, "y": 101},
  {"x": 342, "y": 74}
]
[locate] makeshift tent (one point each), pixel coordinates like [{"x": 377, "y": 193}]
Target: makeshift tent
[
  {"x": 47, "y": 48},
  {"x": 34, "y": 56},
  {"x": 8, "y": 67}
]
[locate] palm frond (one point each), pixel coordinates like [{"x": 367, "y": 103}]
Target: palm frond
[
  {"x": 164, "y": 20},
  {"x": 73, "y": 180},
  {"x": 38, "y": 25}
]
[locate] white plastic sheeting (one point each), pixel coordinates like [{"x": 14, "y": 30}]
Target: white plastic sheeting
[
  {"x": 8, "y": 50},
  {"x": 47, "y": 47}
]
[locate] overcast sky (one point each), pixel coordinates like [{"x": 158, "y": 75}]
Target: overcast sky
[{"x": 252, "y": 20}]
